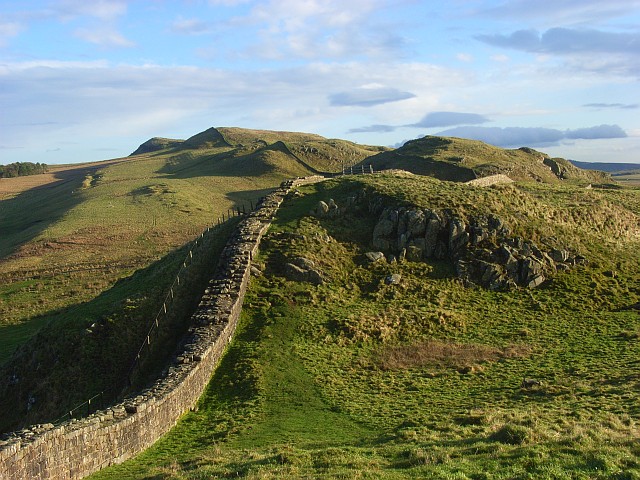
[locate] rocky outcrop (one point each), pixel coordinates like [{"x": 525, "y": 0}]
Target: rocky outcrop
[{"x": 481, "y": 248}]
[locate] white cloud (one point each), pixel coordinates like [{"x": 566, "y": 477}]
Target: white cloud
[
  {"x": 105, "y": 37},
  {"x": 368, "y": 96},
  {"x": 568, "y": 12},
  {"x": 500, "y": 58},
  {"x": 373, "y": 129},
  {"x": 606, "y": 53},
  {"x": 101, "y": 9},
  {"x": 312, "y": 29},
  {"x": 228, "y": 3},
  {"x": 564, "y": 41},
  {"x": 445, "y": 119},
  {"x": 190, "y": 26},
  {"x": 464, "y": 57},
  {"x": 8, "y": 30}
]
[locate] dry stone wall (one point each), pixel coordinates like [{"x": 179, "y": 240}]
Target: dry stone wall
[{"x": 80, "y": 447}]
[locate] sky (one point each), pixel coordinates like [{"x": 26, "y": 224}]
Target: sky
[{"x": 84, "y": 80}]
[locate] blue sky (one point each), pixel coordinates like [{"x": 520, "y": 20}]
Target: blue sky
[{"x": 86, "y": 80}]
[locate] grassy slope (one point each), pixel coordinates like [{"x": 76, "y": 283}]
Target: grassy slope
[
  {"x": 104, "y": 226},
  {"x": 103, "y": 222},
  {"x": 91, "y": 345},
  {"x": 345, "y": 380},
  {"x": 457, "y": 159},
  {"x": 67, "y": 242}
]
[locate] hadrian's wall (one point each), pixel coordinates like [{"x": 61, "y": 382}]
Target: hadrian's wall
[{"x": 80, "y": 447}]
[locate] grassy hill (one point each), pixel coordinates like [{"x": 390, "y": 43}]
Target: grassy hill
[
  {"x": 357, "y": 377},
  {"x": 309, "y": 387},
  {"x": 69, "y": 236},
  {"x": 457, "y": 159}
]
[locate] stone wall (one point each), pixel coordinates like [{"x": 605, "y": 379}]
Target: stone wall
[{"x": 80, "y": 447}]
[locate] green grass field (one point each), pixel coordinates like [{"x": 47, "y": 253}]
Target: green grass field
[
  {"x": 101, "y": 243},
  {"x": 359, "y": 379}
]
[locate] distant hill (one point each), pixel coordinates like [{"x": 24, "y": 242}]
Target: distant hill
[
  {"x": 457, "y": 159},
  {"x": 607, "y": 167},
  {"x": 256, "y": 152},
  {"x": 289, "y": 151}
]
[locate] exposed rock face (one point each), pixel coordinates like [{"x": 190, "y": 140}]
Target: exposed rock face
[
  {"x": 383, "y": 233},
  {"x": 302, "y": 270},
  {"x": 481, "y": 247}
]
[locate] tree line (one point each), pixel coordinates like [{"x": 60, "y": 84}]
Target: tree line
[{"x": 20, "y": 169}]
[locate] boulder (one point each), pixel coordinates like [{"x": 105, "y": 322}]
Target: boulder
[
  {"x": 297, "y": 274},
  {"x": 321, "y": 209},
  {"x": 403, "y": 238},
  {"x": 313, "y": 276},
  {"x": 393, "y": 279},
  {"x": 496, "y": 226},
  {"x": 255, "y": 271},
  {"x": 559, "y": 256},
  {"x": 536, "y": 281},
  {"x": 303, "y": 263},
  {"x": 491, "y": 274},
  {"x": 387, "y": 223},
  {"x": 477, "y": 234},
  {"x": 374, "y": 257},
  {"x": 384, "y": 232},
  {"x": 530, "y": 269},
  {"x": 505, "y": 256}
]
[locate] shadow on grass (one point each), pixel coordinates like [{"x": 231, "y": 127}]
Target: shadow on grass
[
  {"x": 245, "y": 199},
  {"x": 89, "y": 348},
  {"x": 268, "y": 160}
]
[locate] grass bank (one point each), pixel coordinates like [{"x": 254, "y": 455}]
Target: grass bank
[{"x": 357, "y": 378}]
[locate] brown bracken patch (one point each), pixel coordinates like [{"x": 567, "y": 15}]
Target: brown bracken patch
[{"x": 434, "y": 353}]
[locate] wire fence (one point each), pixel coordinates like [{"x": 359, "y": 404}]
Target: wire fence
[
  {"x": 85, "y": 409},
  {"x": 165, "y": 310},
  {"x": 98, "y": 401}
]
